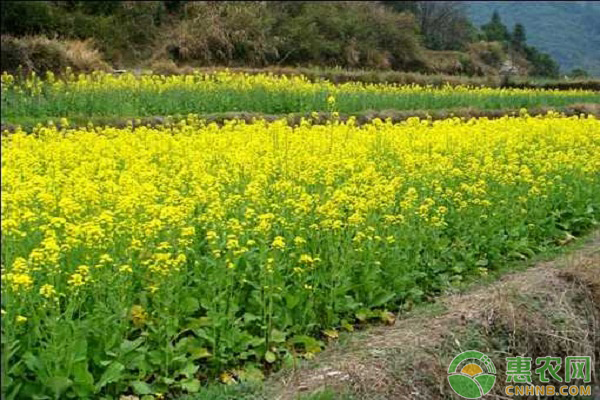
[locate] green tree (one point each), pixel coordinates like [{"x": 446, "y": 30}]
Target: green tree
[
  {"x": 495, "y": 30},
  {"x": 579, "y": 73},
  {"x": 542, "y": 64},
  {"x": 27, "y": 18},
  {"x": 348, "y": 34},
  {"x": 402, "y": 6},
  {"x": 518, "y": 38},
  {"x": 444, "y": 25}
]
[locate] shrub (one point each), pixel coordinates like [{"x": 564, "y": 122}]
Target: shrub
[
  {"x": 27, "y": 18},
  {"x": 83, "y": 56},
  {"x": 579, "y": 73},
  {"x": 13, "y": 53},
  {"x": 541, "y": 63},
  {"x": 446, "y": 62},
  {"x": 348, "y": 34},
  {"x": 46, "y": 54},
  {"x": 486, "y": 57},
  {"x": 220, "y": 33},
  {"x": 164, "y": 67},
  {"x": 41, "y": 54}
]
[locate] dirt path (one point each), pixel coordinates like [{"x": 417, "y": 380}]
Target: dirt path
[{"x": 552, "y": 308}]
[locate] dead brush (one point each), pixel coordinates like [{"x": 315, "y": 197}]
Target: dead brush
[{"x": 83, "y": 56}]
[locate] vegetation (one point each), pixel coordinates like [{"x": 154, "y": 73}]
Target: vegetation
[
  {"x": 40, "y": 53},
  {"x": 165, "y": 231},
  {"x": 99, "y": 94},
  {"x": 535, "y": 311},
  {"x": 540, "y": 64},
  {"x": 579, "y": 73},
  {"x": 443, "y": 24},
  {"x": 274, "y": 32},
  {"x": 147, "y": 262},
  {"x": 567, "y": 30},
  {"x": 418, "y": 36}
]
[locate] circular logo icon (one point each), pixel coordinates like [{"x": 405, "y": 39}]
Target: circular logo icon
[{"x": 471, "y": 374}]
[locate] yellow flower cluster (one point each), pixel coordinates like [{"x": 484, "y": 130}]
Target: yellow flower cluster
[
  {"x": 97, "y": 211},
  {"x": 99, "y": 81}
]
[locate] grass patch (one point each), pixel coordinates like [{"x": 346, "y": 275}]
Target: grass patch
[
  {"x": 126, "y": 96},
  {"x": 550, "y": 309}
]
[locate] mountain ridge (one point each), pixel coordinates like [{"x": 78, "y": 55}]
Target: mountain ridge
[{"x": 568, "y": 30}]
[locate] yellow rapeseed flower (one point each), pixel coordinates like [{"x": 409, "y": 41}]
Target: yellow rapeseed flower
[{"x": 278, "y": 243}]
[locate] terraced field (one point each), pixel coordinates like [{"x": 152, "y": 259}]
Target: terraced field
[{"x": 151, "y": 260}]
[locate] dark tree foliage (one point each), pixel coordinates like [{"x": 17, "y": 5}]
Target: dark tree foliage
[
  {"x": 91, "y": 7},
  {"x": 345, "y": 33},
  {"x": 27, "y": 18},
  {"x": 255, "y": 33},
  {"x": 495, "y": 30},
  {"x": 403, "y": 6},
  {"x": 444, "y": 25},
  {"x": 579, "y": 73},
  {"x": 518, "y": 37},
  {"x": 174, "y": 6},
  {"x": 542, "y": 63}
]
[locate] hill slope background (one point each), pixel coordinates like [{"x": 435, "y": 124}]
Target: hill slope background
[{"x": 568, "y": 30}]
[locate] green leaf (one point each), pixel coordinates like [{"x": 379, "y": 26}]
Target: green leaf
[
  {"x": 141, "y": 388},
  {"x": 289, "y": 361},
  {"x": 277, "y": 336},
  {"x": 362, "y": 315},
  {"x": 112, "y": 374},
  {"x": 84, "y": 380},
  {"x": 189, "y": 370},
  {"x": 190, "y": 304},
  {"x": 32, "y": 362},
  {"x": 156, "y": 357},
  {"x": 184, "y": 343},
  {"x": 190, "y": 385},
  {"x": 248, "y": 317},
  {"x": 382, "y": 299},
  {"x": 15, "y": 391},
  {"x": 291, "y": 300},
  {"x": 331, "y": 333},
  {"x": 130, "y": 345},
  {"x": 416, "y": 293},
  {"x": 168, "y": 381},
  {"x": 310, "y": 344},
  {"x": 80, "y": 350},
  {"x": 251, "y": 374},
  {"x": 58, "y": 384},
  {"x": 270, "y": 357},
  {"x": 199, "y": 352},
  {"x": 347, "y": 326}
]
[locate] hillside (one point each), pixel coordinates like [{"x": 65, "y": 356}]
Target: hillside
[
  {"x": 424, "y": 37},
  {"x": 568, "y": 30}
]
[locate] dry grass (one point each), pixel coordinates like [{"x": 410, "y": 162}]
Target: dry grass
[
  {"x": 550, "y": 309},
  {"x": 444, "y": 62},
  {"x": 41, "y": 54},
  {"x": 164, "y": 67},
  {"x": 83, "y": 56}
]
